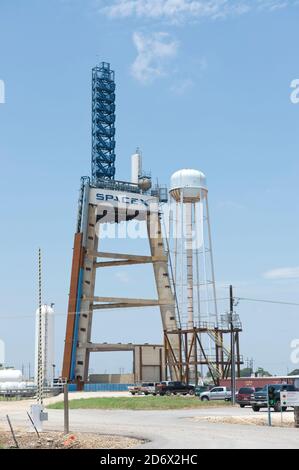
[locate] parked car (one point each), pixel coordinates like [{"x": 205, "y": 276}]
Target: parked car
[
  {"x": 216, "y": 393},
  {"x": 169, "y": 388},
  {"x": 245, "y": 394},
  {"x": 260, "y": 400}
]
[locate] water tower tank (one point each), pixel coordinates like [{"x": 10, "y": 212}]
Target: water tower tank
[{"x": 191, "y": 183}]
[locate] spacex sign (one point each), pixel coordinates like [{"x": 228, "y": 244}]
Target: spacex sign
[{"x": 122, "y": 200}]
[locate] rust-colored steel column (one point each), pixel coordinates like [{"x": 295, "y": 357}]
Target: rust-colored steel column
[
  {"x": 186, "y": 359},
  {"x": 180, "y": 356},
  {"x": 195, "y": 355},
  {"x": 217, "y": 339},
  {"x": 69, "y": 336}
]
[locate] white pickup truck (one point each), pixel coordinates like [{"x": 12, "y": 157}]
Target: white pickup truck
[
  {"x": 147, "y": 388},
  {"x": 216, "y": 393}
]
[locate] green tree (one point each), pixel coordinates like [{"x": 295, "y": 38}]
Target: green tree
[
  {"x": 294, "y": 372},
  {"x": 246, "y": 372},
  {"x": 262, "y": 372}
]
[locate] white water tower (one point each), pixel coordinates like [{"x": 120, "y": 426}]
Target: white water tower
[
  {"x": 47, "y": 340},
  {"x": 191, "y": 251}
]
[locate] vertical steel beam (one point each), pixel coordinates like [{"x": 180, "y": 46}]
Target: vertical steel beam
[
  {"x": 69, "y": 336},
  {"x": 195, "y": 355},
  {"x": 165, "y": 294},
  {"x": 84, "y": 307}
]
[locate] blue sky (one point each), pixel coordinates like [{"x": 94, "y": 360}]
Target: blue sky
[{"x": 203, "y": 84}]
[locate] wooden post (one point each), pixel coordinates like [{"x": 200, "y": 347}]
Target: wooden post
[
  {"x": 296, "y": 416},
  {"x": 66, "y": 409},
  {"x": 12, "y": 432}
]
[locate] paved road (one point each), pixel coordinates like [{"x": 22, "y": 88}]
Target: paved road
[{"x": 172, "y": 429}]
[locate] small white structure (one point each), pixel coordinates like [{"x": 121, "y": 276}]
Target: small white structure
[
  {"x": 136, "y": 166},
  {"x": 137, "y": 176},
  {"x": 47, "y": 340}
]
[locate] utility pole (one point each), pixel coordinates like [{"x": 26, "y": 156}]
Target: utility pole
[
  {"x": 37, "y": 411},
  {"x": 40, "y": 366},
  {"x": 251, "y": 366},
  {"x": 66, "y": 409},
  {"x": 53, "y": 374},
  {"x": 232, "y": 346}
]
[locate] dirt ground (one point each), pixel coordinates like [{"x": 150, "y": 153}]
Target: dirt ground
[
  {"x": 287, "y": 420},
  {"x": 57, "y": 440}
]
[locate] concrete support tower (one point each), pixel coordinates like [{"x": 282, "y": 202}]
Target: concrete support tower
[{"x": 123, "y": 203}]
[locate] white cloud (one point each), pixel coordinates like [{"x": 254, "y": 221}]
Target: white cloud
[
  {"x": 182, "y": 86},
  {"x": 153, "y": 51},
  {"x": 274, "y": 4},
  {"x": 180, "y": 10},
  {"x": 282, "y": 273}
]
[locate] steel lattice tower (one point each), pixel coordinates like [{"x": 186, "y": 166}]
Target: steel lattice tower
[{"x": 103, "y": 123}]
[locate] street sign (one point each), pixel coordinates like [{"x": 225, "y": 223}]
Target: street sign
[{"x": 289, "y": 398}]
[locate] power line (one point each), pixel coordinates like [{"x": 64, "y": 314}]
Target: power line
[
  {"x": 279, "y": 302},
  {"x": 31, "y": 315},
  {"x": 246, "y": 299}
]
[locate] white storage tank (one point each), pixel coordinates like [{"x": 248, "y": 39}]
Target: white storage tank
[
  {"x": 10, "y": 375},
  {"x": 191, "y": 183},
  {"x": 136, "y": 166},
  {"x": 47, "y": 335},
  {"x": 12, "y": 385}
]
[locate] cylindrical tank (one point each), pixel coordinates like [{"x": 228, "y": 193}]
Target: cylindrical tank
[
  {"x": 12, "y": 385},
  {"x": 47, "y": 336},
  {"x": 10, "y": 375},
  {"x": 189, "y": 183},
  {"x": 136, "y": 166}
]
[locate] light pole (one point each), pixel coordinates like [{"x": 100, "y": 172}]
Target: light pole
[
  {"x": 53, "y": 373},
  {"x": 233, "y": 359}
]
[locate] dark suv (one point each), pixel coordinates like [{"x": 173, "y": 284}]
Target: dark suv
[
  {"x": 260, "y": 399},
  {"x": 168, "y": 388}
]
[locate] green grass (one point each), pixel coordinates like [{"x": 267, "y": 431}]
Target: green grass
[{"x": 139, "y": 403}]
